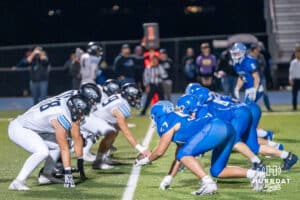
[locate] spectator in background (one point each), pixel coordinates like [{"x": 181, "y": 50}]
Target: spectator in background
[
  {"x": 167, "y": 64},
  {"x": 189, "y": 65},
  {"x": 227, "y": 73},
  {"x": 139, "y": 65},
  {"x": 74, "y": 68},
  {"x": 124, "y": 66},
  {"x": 148, "y": 55},
  {"x": 206, "y": 63},
  {"x": 153, "y": 79},
  {"x": 89, "y": 62},
  {"x": 255, "y": 53},
  {"x": 294, "y": 77},
  {"x": 39, "y": 73}
]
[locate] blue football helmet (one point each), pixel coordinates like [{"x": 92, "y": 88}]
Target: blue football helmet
[
  {"x": 190, "y": 89},
  {"x": 160, "y": 109},
  {"x": 188, "y": 104},
  {"x": 238, "y": 52},
  {"x": 201, "y": 92}
]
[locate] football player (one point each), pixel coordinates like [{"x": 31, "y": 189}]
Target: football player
[
  {"x": 94, "y": 127},
  {"x": 94, "y": 95},
  {"x": 236, "y": 114},
  {"x": 194, "y": 137},
  {"x": 53, "y": 115},
  {"x": 248, "y": 79},
  {"x": 89, "y": 62},
  {"x": 110, "y": 117}
]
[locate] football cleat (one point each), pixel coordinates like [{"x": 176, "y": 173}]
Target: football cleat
[
  {"x": 259, "y": 166},
  {"x": 206, "y": 189},
  {"x": 258, "y": 181},
  {"x": 289, "y": 161},
  {"x": 18, "y": 185},
  {"x": 89, "y": 157},
  {"x": 45, "y": 178},
  {"x": 101, "y": 164}
]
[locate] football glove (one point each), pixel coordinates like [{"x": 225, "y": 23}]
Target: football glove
[
  {"x": 251, "y": 93},
  {"x": 166, "y": 182},
  {"x": 141, "y": 162},
  {"x": 69, "y": 182}
]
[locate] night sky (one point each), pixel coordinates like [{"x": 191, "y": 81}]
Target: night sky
[{"x": 28, "y": 21}]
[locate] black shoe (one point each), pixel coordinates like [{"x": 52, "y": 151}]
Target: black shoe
[
  {"x": 259, "y": 166},
  {"x": 289, "y": 161},
  {"x": 100, "y": 164}
]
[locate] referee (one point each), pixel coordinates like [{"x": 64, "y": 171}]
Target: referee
[
  {"x": 294, "y": 76},
  {"x": 153, "y": 79}
]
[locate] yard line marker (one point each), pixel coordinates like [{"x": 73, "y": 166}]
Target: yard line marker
[{"x": 135, "y": 171}]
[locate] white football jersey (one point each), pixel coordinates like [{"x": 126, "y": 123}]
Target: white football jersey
[
  {"x": 38, "y": 117},
  {"x": 108, "y": 105},
  {"x": 88, "y": 68}
]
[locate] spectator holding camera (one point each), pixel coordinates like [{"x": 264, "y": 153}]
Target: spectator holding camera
[
  {"x": 206, "y": 63},
  {"x": 39, "y": 73}
]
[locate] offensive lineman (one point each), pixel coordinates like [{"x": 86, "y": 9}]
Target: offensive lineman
[
  {"x": 53, "y": 115},
  {"x": 110, "y": 117}
]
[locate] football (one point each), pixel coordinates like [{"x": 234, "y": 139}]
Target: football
[{"x": 139, "y": 156}]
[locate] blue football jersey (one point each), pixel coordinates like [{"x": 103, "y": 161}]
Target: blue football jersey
[
  {"x": 245, "y": 70},
  {"x": 188, "y": 126}
]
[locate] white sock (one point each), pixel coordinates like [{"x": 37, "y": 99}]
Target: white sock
[
  {"x": 255, "y": 159},
  {"x": 207, "y": 179},
  {"x": 88, "y": 146},
  {"x": 30, "y": 164},
  {"x": 284, "y": 155},
  {"x": 250, "y": 173},
  {"x": 261, "y": 133}
]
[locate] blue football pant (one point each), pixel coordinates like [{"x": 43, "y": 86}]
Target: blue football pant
[{"x": 217, "y": 136}]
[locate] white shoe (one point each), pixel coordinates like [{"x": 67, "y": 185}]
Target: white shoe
[
  {"x": 206, "y": 188},
  {"x": 258, "y": 181},
  {"x": 18, "y": 185},
  {"x": 43, "y": 180},
  {"x": 166, "y": 182},
  {"x": 87, "y": 156},
  {"x": 105, "y": 166}
]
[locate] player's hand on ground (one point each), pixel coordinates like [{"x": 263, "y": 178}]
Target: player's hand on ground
[
  {"x": 142, "y": 162},
  {"x": 166, "y": 182},
  {"x": 69, "y": 181}
]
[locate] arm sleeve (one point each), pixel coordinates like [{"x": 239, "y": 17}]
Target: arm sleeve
[{"x": 64, "y": 122}]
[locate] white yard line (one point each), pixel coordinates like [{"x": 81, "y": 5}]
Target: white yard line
[{"x": 135, "y": 172}]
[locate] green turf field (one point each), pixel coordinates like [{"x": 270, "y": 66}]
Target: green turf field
[{"x": 110, "y": 184}]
